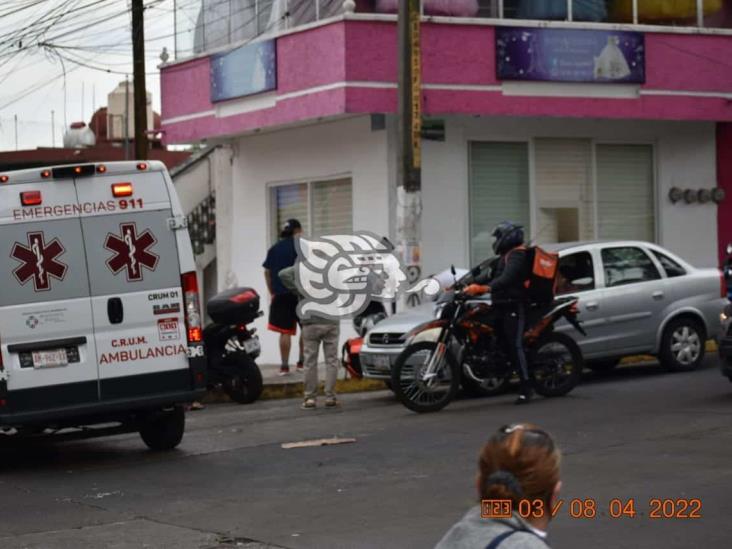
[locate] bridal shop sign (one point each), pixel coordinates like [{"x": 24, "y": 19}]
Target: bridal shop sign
[
  {"x": 566, "y": 55},
  {"x": 246, "y": 70}
]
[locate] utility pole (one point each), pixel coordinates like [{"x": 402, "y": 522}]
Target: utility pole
[
  {"x": 15, "y": 117},
  {"x": 53, "y": 128},
  {"x": 409, "y": 191},
  {"x": 138, "y": 68},
  {"x": 127, "y": 117}
]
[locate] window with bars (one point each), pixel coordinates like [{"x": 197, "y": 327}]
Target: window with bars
[{"x": 322, "y": 207}]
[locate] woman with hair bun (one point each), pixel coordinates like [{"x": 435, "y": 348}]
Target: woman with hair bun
[{"x": 519, "y": 463}]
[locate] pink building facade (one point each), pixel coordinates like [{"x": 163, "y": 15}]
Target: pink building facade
[{"x": 634, "y": 158}]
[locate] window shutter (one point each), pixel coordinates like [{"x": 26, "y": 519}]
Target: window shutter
[
  {"x": 289, "y": 201},
  {"x": 332, "y": 207},
  {"x": 499, "y": 191},
  {"x": 564, "y": 190},
  {"x": 625, "y": 192}
]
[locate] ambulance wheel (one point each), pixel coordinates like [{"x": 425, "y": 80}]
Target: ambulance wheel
[{"x": 164, "y": 430}]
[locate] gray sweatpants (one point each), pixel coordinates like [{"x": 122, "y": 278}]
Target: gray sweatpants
[{"x": 312, "y": 336}]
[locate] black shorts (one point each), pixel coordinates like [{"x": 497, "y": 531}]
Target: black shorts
[{"x": 283, "y": 314}]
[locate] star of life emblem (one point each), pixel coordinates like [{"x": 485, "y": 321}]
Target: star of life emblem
[
  {"x": 39, "y": 261},
  {"x": 132, "y": 252}
]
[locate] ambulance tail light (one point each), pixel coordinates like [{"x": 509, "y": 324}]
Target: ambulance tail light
[
  {"x": 189, "y": 282},
  {"x": 121, "y": 189}
]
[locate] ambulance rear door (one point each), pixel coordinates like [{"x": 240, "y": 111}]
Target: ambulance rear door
[
  {"x": 46, "y": 328},
  {"x": 135, "y": 281}
]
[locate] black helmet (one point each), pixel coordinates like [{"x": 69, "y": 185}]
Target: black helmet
[{"x": 507, "y": 236}]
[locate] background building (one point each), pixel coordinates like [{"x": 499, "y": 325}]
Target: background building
[{"x": 594, "y": 122}]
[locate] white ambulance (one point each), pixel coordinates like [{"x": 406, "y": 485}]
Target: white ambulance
[{"x": 99, "y": 312}]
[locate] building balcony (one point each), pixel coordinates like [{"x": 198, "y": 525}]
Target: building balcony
[{"x": 243, "y": 66}]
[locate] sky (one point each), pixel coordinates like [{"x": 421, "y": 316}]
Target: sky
[{"x": 87, "y": 38}]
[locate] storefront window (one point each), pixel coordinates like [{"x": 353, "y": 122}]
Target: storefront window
[
  {"x": 322, "y": 207},
  {"x": 576, "y": 197},
  {"x": 499, "y": 191}
]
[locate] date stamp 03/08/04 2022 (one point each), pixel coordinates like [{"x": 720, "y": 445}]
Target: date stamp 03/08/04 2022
[{"x": 589, "y": 508}]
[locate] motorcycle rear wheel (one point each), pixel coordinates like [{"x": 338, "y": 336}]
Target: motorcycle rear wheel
[
  {"x": 556, "y": 365},
  {"x": 246, "y": 385},
  {"x": 417, "y": 394}
]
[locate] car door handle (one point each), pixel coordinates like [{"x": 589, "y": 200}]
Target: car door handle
[
  {"x": 115, "y": 310},
  {"x": 658, "y": 294},
  {"x": 592, "y": 305}
]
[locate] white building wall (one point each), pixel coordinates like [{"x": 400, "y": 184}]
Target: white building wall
[
  {"x": 685, "y": 157},
  {"x": 195, "y": 184},
  {"x": 344, "y": 147}
]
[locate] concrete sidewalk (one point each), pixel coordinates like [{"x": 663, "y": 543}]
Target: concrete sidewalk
[{"x": 291, "y": 386}]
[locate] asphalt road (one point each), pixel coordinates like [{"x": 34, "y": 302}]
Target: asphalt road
[{"x": 636, "y": 433}]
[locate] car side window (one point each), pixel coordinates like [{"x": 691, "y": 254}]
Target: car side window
[
  {"x": 627, "y": 265},
  {"x": 670, "y": 266},
  {"x": 576, "y": 273}
]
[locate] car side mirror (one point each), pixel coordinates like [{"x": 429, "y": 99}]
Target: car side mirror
[{"x": 586, "y": 281}]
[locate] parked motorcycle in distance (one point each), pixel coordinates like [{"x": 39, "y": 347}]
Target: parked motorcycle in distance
[
  {"x": 426, "y": 375},
  {"x": 232, "y": 347},
  {"x": 725, "y": 337},
  {"x": 374, "y": 313}
]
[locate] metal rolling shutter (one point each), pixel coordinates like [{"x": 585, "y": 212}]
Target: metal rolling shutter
[
  {"x": 289, "y": 201},
  {"x": 332, "y": 207},
  {"x": 625, "y": 192},
  {"x": 499, "y": 190},
  {"x": 564, "y": 190}
]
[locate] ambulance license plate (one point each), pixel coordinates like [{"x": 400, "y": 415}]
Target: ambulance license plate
[{"x": 50, "y": 359}]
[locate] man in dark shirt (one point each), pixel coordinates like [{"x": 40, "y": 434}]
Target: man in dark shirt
[
  {"x": 283, "y": 305},
  {"x": 510, "y": 296}
]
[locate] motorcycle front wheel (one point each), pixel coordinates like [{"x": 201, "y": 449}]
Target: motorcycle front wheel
[
  {"x": 416, "y": 391},
  {"x": 556, "y": 365},
  {"x": 246, "y": 385}
]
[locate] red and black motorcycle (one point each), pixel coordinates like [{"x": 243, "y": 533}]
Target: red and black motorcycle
[
  {"x": 232, "y": 346},
  {"x": 427, "y": 374}
]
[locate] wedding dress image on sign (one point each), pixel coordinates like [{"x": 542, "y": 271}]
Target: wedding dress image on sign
[{"x": 611, "y": 63}]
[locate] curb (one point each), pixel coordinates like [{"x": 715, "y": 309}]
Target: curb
[{"x": 294, "y": 389}]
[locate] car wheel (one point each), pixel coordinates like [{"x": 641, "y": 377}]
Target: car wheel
[
  {"x": 682, "y": 345},
  {"x": 164, "y": 430},
  {"x": 602, "y": 365}
]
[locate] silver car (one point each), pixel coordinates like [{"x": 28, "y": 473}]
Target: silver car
[{"x": 635, "y": 298}]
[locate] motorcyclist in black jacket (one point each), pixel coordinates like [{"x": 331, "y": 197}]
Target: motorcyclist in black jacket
[{"x": 510, "y": 297}]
